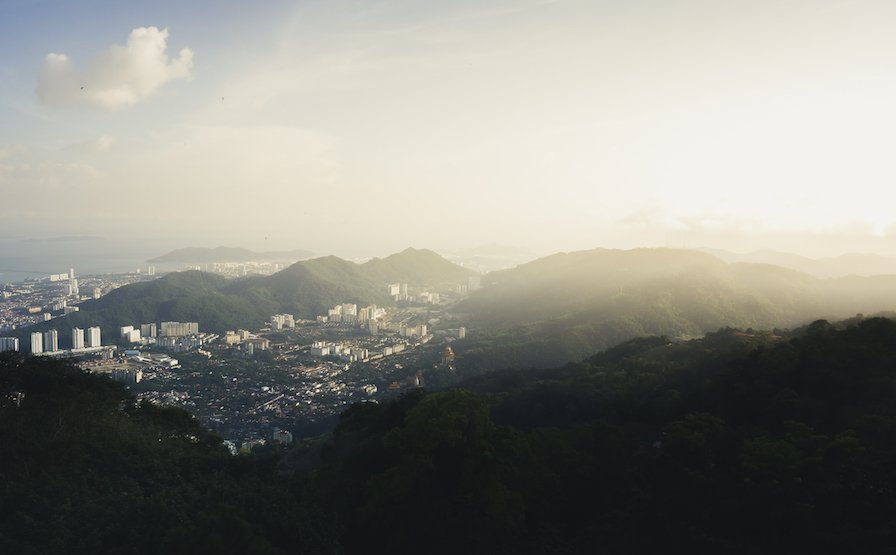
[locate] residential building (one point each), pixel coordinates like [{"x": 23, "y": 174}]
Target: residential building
[
  {"x": 37, "y": 343},
  {"x": 93, "y": 337},
  {"x": 9, "y": 344},
  {"x": 51, "y": 341},
  {"x": 77, "y": 338}
]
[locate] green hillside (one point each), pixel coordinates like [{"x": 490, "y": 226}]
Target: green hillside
[
  {"x": 310, "y": 287},
  {"x": 182, "y": 296},
  {"x": 420, "y": 267}
]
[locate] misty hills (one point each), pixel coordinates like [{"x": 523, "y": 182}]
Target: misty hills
[
  {"x": 420, "y": 267},
  {"x": 860, "y": 264},
  {"x": 203, "y": 255},
  {"x": 306, "y": 289},
  {"x": 565, "y": 306}
]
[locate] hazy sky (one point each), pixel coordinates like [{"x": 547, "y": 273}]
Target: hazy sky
[{"x": 374, "y": 125}]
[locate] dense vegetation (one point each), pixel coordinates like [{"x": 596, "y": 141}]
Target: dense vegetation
[
  {"x": 86, "y": 470},
  {"x": 563, "y": 307},
  {"x": 737, "y": 442}
]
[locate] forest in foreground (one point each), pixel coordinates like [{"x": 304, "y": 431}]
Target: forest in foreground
[{"x": 738, "y": 442}]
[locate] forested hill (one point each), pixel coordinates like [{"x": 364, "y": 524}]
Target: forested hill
[
  {"x": 182, "y": 296},
  {"x": 86, "y": 470},
  {"x": 421, "y": 267},
  {"x": 563, "y": 307},
  {"x": 734, "y": 443},
  {"x": 306, "y": 289}
]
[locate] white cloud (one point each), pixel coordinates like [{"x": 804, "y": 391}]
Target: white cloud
[{"x": 118, "y": 77}]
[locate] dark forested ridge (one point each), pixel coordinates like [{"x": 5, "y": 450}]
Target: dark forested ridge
[
  {"x": 86, "y": 470},
  {"x": 739, "y": 442}
]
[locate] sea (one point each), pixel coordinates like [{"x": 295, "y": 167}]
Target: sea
[{"x": 28, "y": 258}]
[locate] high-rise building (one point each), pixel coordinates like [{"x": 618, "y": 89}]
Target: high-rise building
[
  {"x": 72, "y": 282},
  {"x": 148, "y": 330},
  {"x": 51, "y": 341},
  {"x": 178, "y": 329},
  {"x": 93, "y": 337},
  {"x": 124, "y": 331},
  {"x": 77, "y": 338},
  {"x": 9, "y": 344},
  {"x": 97, "y": 292},
  {"x": 37, "y": 343}
]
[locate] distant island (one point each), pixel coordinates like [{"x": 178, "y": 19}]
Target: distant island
[{"x": 204, "y": 255}]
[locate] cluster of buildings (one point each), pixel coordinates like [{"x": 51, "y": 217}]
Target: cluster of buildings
[
  {"x": 352, "y": 354},
  {"x": 473, "y": 283},
  {"x": 412, "y": 331},
  {"x": 48, "y": 341},
  {"x": 174, "y": 336},
  {"x": 281, "y": 321},
  {"x": 72, "y": 286},
  {"x": 9, "y": 344},
  {"x": 399, "y": 292},
  {"x": 247, "y": 341},
  {"x": 348, "y": 313},
  {"x": 159, "y": 360},
  {"x": 40, "y": 300},
  {"x": 150, "y": 333}
]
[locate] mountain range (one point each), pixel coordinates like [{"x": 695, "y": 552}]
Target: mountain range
[
  {"x": 860, "y": 264},
  {"x": 543, "y": 313},
  {"x": 562, "y": 307},
  {"x": 305, "y": 289}
]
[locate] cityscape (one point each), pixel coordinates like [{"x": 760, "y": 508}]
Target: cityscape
[
  {"x": 248, "y": 385},
  {"x": 535, "y": 277}
]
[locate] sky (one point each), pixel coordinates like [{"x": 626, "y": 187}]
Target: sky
[{"x": 364, "y": 127}]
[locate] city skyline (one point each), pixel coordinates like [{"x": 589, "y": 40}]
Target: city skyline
[{"x": 364, "y": 128}]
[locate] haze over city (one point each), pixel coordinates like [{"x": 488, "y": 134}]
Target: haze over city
[{"x": 365, "y": 127}]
